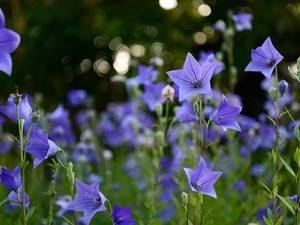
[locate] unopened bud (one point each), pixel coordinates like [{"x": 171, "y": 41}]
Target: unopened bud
[
  {"x": 168, "y": 93},
  {"x": 107, "y": 154},
  {"x": 273, "y": 93},
  {"x": 196, "y": 108},
  {"x": 158, "y": 109},
  {"x": 160, "y": 138},
  {"x": 298, "y": 66},
  {"x": 185, "y": 198},
  {"x": 282, "y": 86}
]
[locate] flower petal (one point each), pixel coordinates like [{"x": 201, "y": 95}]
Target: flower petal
[
  {"x": 2, "y": 19},
  {"x": 5, "y": 63},
  {"x": 9, "y": 40}
]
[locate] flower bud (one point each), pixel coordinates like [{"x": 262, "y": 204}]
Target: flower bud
[
  {"x": 185, "y": 198},
  {"x": 196, "y": 108},
  {"x": 273, "y": 93},
  {"x": 168, "y": 93},
  {"x": 35, "y": 116},
  {"x": 160, "y": 138},
  {"x": 282, "y": 86},
  {"x": 158, "y": 109}
]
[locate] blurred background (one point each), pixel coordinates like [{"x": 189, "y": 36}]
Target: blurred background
[{"x": 81, "y": 44}]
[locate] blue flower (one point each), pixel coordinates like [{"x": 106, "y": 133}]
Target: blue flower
[
  {"x": 153, "y": 95},
  {"x": 40, "y": 147},
  {"x": 264, "y": 59},
  {"x": 193, "y": 78},
  {"x": 121, "y": 216},
  {"x": 226, "y": 114},
  {"x": 9, "y": 41},
  {"x": 242, "y": 21},
  {"x": 202, "y": 180},
  {"x": 77, "y": 97},
  {"x": 89, "y": 200},
  {"x": 10, "y": 179},
  {"x": 146, "y": 75},
  {"x": 16, "y": 196},
  {"x": 10, "y": 110}
]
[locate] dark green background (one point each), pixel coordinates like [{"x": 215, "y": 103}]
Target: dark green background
[{"x": 52, "y": 29}]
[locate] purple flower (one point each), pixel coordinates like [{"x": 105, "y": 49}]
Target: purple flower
[
  {"x": 121, "y": 216},
  {"x": 225, "y": 115},
  {"x": 9, "y": 41},
  {"x": 186, "y": 113},
  {"x": 77, "y": 97},
  {"x": 202, "y": 180},
  {"x": 193, "y": 78},
  {"x": 10, "y": 179},
  {"x": 146, "y": 75},
  {"x": 209, "y": 57},
  {"x": 242, "y": 21},
  {"x": 16, "y": 197},
  {"x": 89, "y": 200},
  {"x": 153, "y": 95},
  {"x": 264, "y": 59},
  {"x": 40, "y": 147},
  {"x": 10, "y": 110},
  {"x": 64, "y": 202}
]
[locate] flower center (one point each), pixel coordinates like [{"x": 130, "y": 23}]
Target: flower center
[
  {"x": 119, "y": 220},
  {"x": 270, "y": 62},
  {"x": 197, "y": 186},
  {"x": 197, "y": 84},
  {"x": 97, "y": 202}
]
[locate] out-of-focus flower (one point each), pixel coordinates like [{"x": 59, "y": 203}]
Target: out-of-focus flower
[
  {"x": 146, "y": 75},
  {"x": 225, "y": 115},
  {"x": 209, "y": 57},
  {"x": 16, "y": 196},
  {"x": 186, "y": 113},
  {"x": 202, "y": 180},
  {"x": 242, "y": 21},
  {"x": 193, "y": 78},
  {"x": 89, "y": 200},
  {"x": 152, "y": 95},
  {"x": 64, "y": 202},
  {"x": 220, "y": 26},
  {"x": 121, "y": 216},
  {"x": 157, "y": 61},
  {"x": 9, "y": 41},
  {"x": 264, "y": 59},
  {"x": 25, "y": 109},
  {"x": 10, "y": 179},
  {"x": 40, "y": 147},
  {"x": 77, "y": 97}
]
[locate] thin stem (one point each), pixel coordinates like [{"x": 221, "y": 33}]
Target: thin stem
[
  {"x": 201, "y": 210},
  {"x": 200, "y": 124},
  {"x": 298, "y": 197},
  {"x": 277, "y": 117},
  {"x": 187, "y": 212}
]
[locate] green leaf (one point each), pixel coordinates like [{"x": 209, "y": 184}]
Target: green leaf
[
  {"x": 30, "y": 212},
  {"x": 15, "y": 138},
  {"x": 287, "y": 166},
  {"x": 275, "y": 191},
  {"x": 279, "y": 221},
  {"x": 268, "y": 222},
  {"x": 270, "y": 215},
  {"x": 271, "y": 120},
  {"x": 297, "y": 156},
  {"x": 297, "y": 132},
  {"x": 265, "y": 187},
  {"x": 190, "y": 223},
  {"x": 289, "y": 204}
]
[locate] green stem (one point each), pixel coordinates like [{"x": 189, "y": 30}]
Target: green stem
[
  {"x": 298, "y": 197},
  {"x": 277, "y": 117},
  {"x": 200, "y": 124}
]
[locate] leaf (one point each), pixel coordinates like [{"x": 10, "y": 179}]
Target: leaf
[
  {"x": 297, "y": 132},
  {"x": 271, "y": 120},
  {"x": 275, "y": 191},
  {"x": 297, "y": 156},
  {"x": 287, "y": 166},
  {"x": 268, "y": 222},
  {"x": 279, "y": 221},
  {"x": 289, "y": 204},
  {"x": 190, "y": 223},
  {"x": 265, "y": 187},
  {"x": 30, "y": 212},
  {"x": 15, "y": 138}
]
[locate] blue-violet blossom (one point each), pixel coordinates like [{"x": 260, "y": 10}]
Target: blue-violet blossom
[
  {"x": 264, "y": 59},
  {"x": 242, "y": 21},
  {"x": 193, "y": 78},
  {"x": 121, "y": 216},
  {"x": 202, "y": 180},
  {"x": 225, "y": 115},
  {"x": 89, "y": 200},
  {"x": 9, "y": 41},
  {"x": 10, "y": 179}
]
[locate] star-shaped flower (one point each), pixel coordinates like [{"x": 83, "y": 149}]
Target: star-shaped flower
[
  {"x": 264, "y": 59},
  {"x": 25, "y": 109},
  {"x": 121, "y": 216},
  {"x": 225, "y": 115},
  {"x": 202, "y": 180},
  {"x": 242, "y": 21},
  {"x": 9, "y": 41},
  {"x": 40, "y": 147},
  {"x": 193, "y": 78},
  {"x": 10, "y": 179},
  {"x": 89, "y": 200}
]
